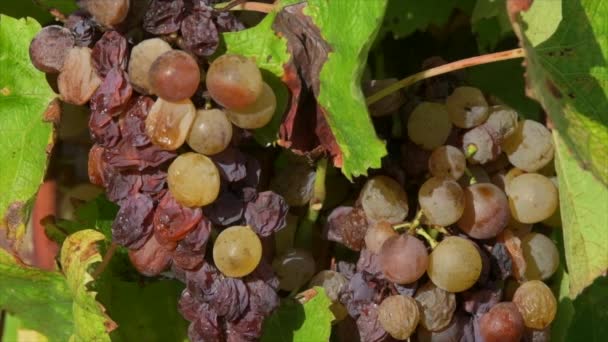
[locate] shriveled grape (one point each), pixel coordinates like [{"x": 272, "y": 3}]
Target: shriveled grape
[
  {"x": 234, "y": 81},
  {"x": 211, "y": 132},
  {"x": 193, "y": 180},
  {"x": 455, "y": 264},
  {"x": 503, "y": 323},
  {"x": 532, "y": 198},
  {"x": 383, "y": 199},
  {"x": 107, "y": 12},
  {"x": 441, "y": 200},
  {"x": 376, "y": 234},
  {"x": 447, "y": 161},
  {"x": 536, "y": 303},
  {"x": 78, "y": 81},
  {"x": 174, "y": 76},
  {"x": 168, "y": 123},
  {"x": 257, "y": 114},
  {"x": 294, "y": 269},
  {"x": 486, "y": 211},
  {"x": 467, "y": 107},
  {"x": 331, "y": 281},
  {"x": 237, "y": 251},
  {"x": 399, "y": 316},
  {"x": 530, "y": 147},
  {"x": 437, "y": 306},
  {"x": 403, "y": 259},
  {"x": 428, "y": 125},
  {"x": 542, "y": 257},
  {"x": 49, "y": 49},
  {"x": 142, "y": 57}
]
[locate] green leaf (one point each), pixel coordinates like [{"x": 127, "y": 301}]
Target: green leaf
[
  {"x": 294, "y": 322},
  {"x": 584, "y": 209},
  {"x": 57, "y": 305},
  {"x": 24, "y": 97},
  {"x": 490, "y": 22},
  {"x": 566, "y": 50},
  {"x": 340, "y": 94}
]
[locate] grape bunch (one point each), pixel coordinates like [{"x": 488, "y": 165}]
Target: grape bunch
[{"x": 168, "y": 127}]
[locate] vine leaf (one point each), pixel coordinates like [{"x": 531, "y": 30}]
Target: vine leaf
[
  {"x": 57, "y": 305},
  {"x": 567, "y": 72},
  {"x": 26, "y": 138},
  {"x": 297, "y": 322},
  {"x": 584, "y": 209},
  {"x": 490, "y": 22}
]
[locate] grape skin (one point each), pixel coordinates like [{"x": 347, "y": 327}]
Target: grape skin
[
  {"x": 376, "y": 234},
  {"x": 211, "y": 132},
  {"x": 454, "y": 264},
  {"x": 140, "y": 62},
  {"x": 441, "y": 200},
  {"x": 428, "y": 125},
  {"x": 485, "y": 140},
  {"x": 403, "y": 259},
  {"x": 447, "y": 161},
  {"x": 332, "y": 281},
  {"x": 536, "y": 303},
  {"x": 486, "y": 211},
  {"x": 294, "y": 269},
  {"x": 437, "y": 306},
  {"x": 234, "y": 81},
  {"x": 168, "y": 123},
  {"x": 295, "y": 183},
  {"x": 530, "y": 147},
  {"x": 49, "y": 49},
  {"x": 503, "y": 323},
  {"x": 107, "y": 12},
  {"x": 503, "y": 120},
  {"x": 399, "y": 316},
  {"x": 467, "y": 107},
  {"x": 237, "y": 251},
  {"x": 383, "y": 199},
  {"x": 174, "y": 76},
  {"x": 542, "y": 257},
  {"x": 193, "y": 180},
  {"x": 258, "y": 114},
  {"x": 78, "y": 81},
  {"x": 532, "y": 198}
]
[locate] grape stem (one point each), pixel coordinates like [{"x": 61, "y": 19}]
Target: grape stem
[
  {"x": 470, "y": 151},
  {"x": 246, "y": 6},
  {"x": 444, "y": 69},
  {"x": 316, "y": 202},
  {"x": 412, "y": 225},
  {"x": 427, "y": 237},
  {"x": 105, "y": 261}
]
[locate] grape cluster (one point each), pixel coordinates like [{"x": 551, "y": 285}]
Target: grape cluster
[
  {"x": 440, "y": 272},
  {"x": 168, "y": 127}
]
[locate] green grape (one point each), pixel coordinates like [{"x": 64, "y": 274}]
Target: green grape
[
  {"x": 237, "y": 251},
  {"x": 383, "y": 199},
  {"x": 503, "y": 120},
  {"x": 454, "y": 264},
  {"x": 174, "y": 76},
  {"x": 142, "y": 57},
  {"x": 211, "y": 132},
  {"x": 376, "y": 234},
  {"x": 467, "y": 107},
  {"x": 541, "y": 255},
  {"x": 486, "y": 212},
  {"x": 168, "y": 123},
  {"x": 403, "y": 259},
  {"x": 437, "y": 307},
  {"x": 536, "y": 303},
  {"x": 530, "y": 147},
  {"x": 399, "y": 316},
  {"x": 295, "y": 183},
  {"x": 447, "y": 161},
  {"x": 234, "y": 81},
  {"x": 503, "y": 323},
  {"x": 258, "y": 114},
  {"x": 428, "y": 125},
  {"x": 332, "y": 281},
  {"x": 486, "y": 142},
  {"x": 294, "y": 269},
  {"x": 441, "y": 200},
  {"x": 193, "y": 180},
  {"x": 284, "y": 238},
  {"x": 532, "y": 198},
  {"x": 509, "y": 176}
]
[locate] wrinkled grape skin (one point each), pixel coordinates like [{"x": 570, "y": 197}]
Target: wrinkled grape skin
[
  {"x": 532, "y": 198},
  {"x": 403, "y": 259},
  {"x": 536, "y": 303},
  {"x": 151, "y": 259},
  {"x": 530, "y": 147},
  {"x": 168, "y": 123},
  {"x": 294, "y": 269},
  {"x": 467, "y": 107},
  {"x": 447, "y": 161},
  {"x": 49, "y": 49},
  {"x": 258, "y": 114},
  {"x": 142, "y": 57},
  {"x": 428, "y": 125},
  {"x": 377, "y": 234},
  {"x": 108, "y": 12},
  {"x": 437, "y": 306},
  {"x": 399, "y": 316},
  {"x": 211, "y": 132},
  {"x": 454, "y": 264},
  {"x": 383, "y": 199},
  {"x": 78, "y": 81},
  {"x": 234, "y": 81},
  {"x": 193, "y": 180},
  {"x": 237, "y": 251},
  {"x": 332, "y": 281},
  {"x": 441, "y": 200},
  {"x": 542, "y": 257},
  {"x": 486, "y": 211},
  {"x": 503, "y": 323},
  {"x": 174, "y": 76}
]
